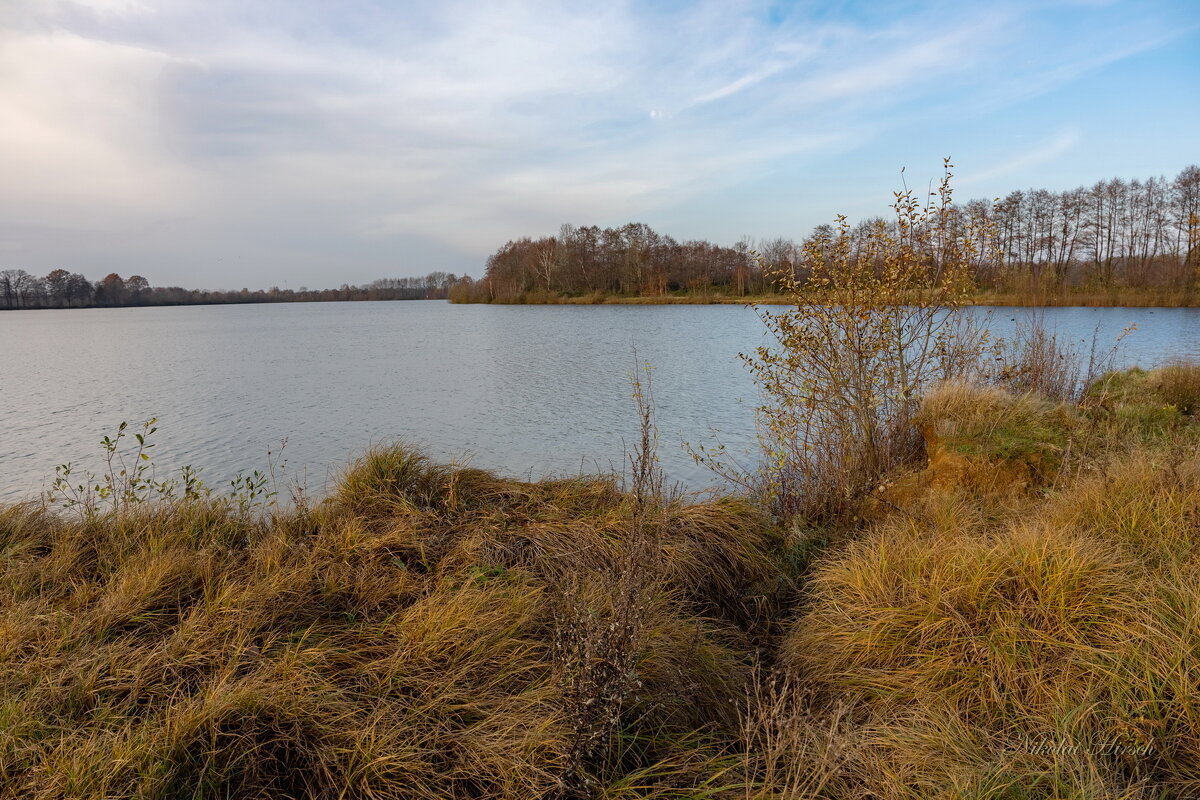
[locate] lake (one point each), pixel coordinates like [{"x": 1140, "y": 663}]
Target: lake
[{"x": 525, "y": 390}]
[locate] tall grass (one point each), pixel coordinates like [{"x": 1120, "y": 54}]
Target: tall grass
[
  {"x": 1030, "y": 643},
  {"x": 1018, "y": 618},
  {"x": 405, "y": 638}
]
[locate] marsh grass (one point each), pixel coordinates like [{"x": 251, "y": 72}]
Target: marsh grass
[
  {"x": 404, "y": 638},
  {"x": 433, "y": 631},
  {"x": 1024, "y": 644},
  {"x": 1178, "y": 384}
]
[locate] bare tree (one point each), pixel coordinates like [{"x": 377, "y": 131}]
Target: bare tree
[{"x": 19, "y": 288}]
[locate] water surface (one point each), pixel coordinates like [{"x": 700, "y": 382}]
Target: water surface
[{"x": 526, "y": 390}]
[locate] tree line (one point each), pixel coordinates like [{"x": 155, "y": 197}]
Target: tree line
[
  {"x": 63, "y": 289},
  {"x": 1116, "y": 234}
]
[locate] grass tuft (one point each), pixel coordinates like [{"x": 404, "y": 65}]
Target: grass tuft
[{"x": 437, "y": 632}]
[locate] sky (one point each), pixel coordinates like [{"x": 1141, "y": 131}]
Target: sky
[{"x": 227, "y": 143}]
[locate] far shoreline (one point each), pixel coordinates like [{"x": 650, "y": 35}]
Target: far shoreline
[
  {"x": 1121, "y": 300},
  {"x": 1116, "y": 299}
]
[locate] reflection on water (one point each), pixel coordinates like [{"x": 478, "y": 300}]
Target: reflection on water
[{"x": 527, "y": 390}]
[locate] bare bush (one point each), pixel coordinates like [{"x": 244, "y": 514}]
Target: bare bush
[
  {"x": 1041, "y": 360},
  {"x": 1038, "y": 359},
  {"x": 604, "y": 614}
]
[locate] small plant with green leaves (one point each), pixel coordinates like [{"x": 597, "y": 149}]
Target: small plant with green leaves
[
  {"x": 251, "y": 492},
  {"x": 128, "y": 480}
]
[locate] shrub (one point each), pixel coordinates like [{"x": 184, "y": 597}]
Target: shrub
[
  {"x": 874, "y": 324},
  {"x": 1038, "y": 360}
]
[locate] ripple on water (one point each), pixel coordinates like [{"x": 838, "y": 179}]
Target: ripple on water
[{"x": 527, "y": 390}]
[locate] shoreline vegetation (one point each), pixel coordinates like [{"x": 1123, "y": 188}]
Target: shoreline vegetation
[
  {"x": 961, "y": 568},
  {"x": 1118, "y": 242},
  {"x": 1014, "y": 615},
  {"x": 20, "y": 290},
  {"x": 1082, "y": 298}
]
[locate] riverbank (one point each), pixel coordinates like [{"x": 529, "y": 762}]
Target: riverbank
[
  {"x": 1013, "y": 616},
  {"x": 1118, "y": 298}
]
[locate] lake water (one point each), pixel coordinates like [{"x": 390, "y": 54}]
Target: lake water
[{"x": 525, "y": 390}]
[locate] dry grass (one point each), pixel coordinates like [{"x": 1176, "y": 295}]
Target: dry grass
[
  {"x": 1123, "y": 296},
  {"x": 395, "y": 641},
  {"x": 437, "y": 632},
  {"x": 1179, "y": 386},
  {"x": 993, "y": 420},
  {"x": 1045, "y": 644},
  {"x": 990, "y": 440},
  {"x": 1030, "y": 659},
  {"x": 1148, "y": 503}
]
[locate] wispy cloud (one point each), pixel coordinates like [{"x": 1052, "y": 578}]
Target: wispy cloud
[
  {"x": 1044, "y": 152},
  {"x": 338, "y": 141}
]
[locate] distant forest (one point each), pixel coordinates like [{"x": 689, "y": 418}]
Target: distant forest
[
  {"x": 1119, "y": 240},
  {"x": 63, "y": 289},
  {"x": 1127, "y": 236}
]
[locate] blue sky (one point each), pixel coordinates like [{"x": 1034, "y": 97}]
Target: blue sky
[{"x": 229, "y": 143}]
